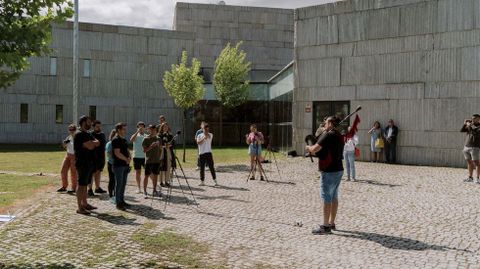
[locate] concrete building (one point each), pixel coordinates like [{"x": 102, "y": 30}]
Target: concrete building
[{"x": 415, "y": 61}]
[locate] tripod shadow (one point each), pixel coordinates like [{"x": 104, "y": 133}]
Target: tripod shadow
[
  {"x": 232, "y": 168},
  {"x": 185, "y": 187},
  {"x": 146, "y": 212},
  {"x": 221, "y": 197},
  {"x": 117, "y": 220},
  {"x": 376, "y": 183},
  {"x": 222, "y": 187},
  {"x": 394, "y": 242}
]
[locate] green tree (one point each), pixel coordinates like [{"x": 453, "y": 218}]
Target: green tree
[
  {"x": 25, "y": 30},
  {"x": 185, "y": 86},
  {"x": 230, "y": 79}
]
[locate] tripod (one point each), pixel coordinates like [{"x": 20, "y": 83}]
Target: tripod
[
  {"x": 257, "y": 163},
  {"x": 271, "y": 153}
]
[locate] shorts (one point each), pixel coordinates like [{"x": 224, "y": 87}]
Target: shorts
[
  {"x": 138, "y": 163},
  {"x": 152, "y": 168},
  {"x": 84, "y": 175},
  {"x": 329, "y": 184},
  {"x": 255, "y": 150},
  {"x": 471, "y": 153},
  {"x": 99, "y": 165}
]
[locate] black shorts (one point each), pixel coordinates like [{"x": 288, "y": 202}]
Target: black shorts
[
  {"x": 152, "y": 168},
  {"x": 99, "y": 165},
  {"x": 84, "y": 175},
  {"x": 138, "y": 163}
]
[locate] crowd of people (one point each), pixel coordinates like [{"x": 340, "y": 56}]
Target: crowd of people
[{"x": 383, "y": 140}]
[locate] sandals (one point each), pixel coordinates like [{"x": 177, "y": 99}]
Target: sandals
[
  {"x": 83, "y": 212},
  {"x": 90, "y": 207}
]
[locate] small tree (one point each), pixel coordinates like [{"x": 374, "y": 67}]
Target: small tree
[
  {"x": 185, "y": 86},
  {"x": 230, "y": 79},
  {"x": 25, "y": 28}
]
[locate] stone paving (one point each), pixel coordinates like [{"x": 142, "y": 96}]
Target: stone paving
[{"x": 393, "y": 217}]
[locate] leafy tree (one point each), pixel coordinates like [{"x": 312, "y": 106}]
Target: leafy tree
[
  {"x": 25, "y": 27},
  {"x": 185, "y": 86},
  {"x": 230, "y": 79}
]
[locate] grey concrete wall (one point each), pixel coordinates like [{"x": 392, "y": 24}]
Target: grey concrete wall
[
  {"x": 415, "y": 61},
  {"x": 127, "y": 67},
  {"x": 267, "y": 34}
]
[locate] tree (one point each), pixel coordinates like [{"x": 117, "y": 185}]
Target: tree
[
  {"x": 185, "y": 86},
  {"x": 25, "y": 28},
  {"x": 230, "y": 79}
]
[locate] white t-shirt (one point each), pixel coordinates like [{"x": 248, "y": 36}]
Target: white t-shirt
[
  {"x": 351, "y": 143},
  {"x": 69, "y": 145},
  {"x": 206, "y": 146}
]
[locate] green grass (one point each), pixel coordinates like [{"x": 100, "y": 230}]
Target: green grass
[
  {"x": 48, "y": 158},
  {"x": 179, "y": 249},
  {"x": 14, "y": 188}
]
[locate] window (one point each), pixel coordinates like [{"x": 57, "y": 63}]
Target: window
[
  {"x": 59, "y": 114},
  {"x": 92, "y": 112},
  {"x": 53, "y": 66},
  {"x": 86, "y": 68},
  {"x": 334, "y": 108},
  {"x": 23, "y": 113}
]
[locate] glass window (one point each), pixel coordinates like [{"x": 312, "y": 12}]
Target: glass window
[
  {"x": 335, "y": 108},
  {"x": 92, "y": 112},
  {"x": 86, "y": 68},
  {"x": 23, "y": 113},
  {"x": 59, "y": 114},
  {"x": 53, "y": 66}
]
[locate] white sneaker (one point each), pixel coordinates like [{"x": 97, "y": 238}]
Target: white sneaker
[
  {"x": 145, "y": 195},
  {"x": 216, "y": 183},
  {"x": 353, "y": 179},
  {"x": 202, "y": 183},
  {"x": 198, "y": 168},
  {"x": 139, "y": 191},
  {"x": 470, "y": 179},
  {"x": 477, "y": 181}
]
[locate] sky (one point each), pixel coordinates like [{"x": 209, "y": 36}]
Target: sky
[{"x": 159, "y": 13}]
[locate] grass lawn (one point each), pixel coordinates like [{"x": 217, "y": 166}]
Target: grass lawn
[
  {"x": 48, "y": 158},
  {"x": 14, "y": 188}
]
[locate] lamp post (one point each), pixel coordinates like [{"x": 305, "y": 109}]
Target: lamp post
[{"x": 75, "y": 64}]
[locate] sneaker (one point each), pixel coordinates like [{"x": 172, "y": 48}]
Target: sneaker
[
  {"x": 62, "y": 189},
  {"x": 99, "y": 190},
  {"x": 252, "y": 178},
  {"x": 71, "y": 192},
  {"x": 145, "y": 195},
  {"x": 167, "y": 184},
  {"x": 121, "y": 207},
  {"x": 322, "y": 229},
  {"x": 470, "y": 179},
  {"x": 112, "y": 200},
  {"x": 353, "y": 180},
  {"x": 124, "y": 204},
  {"x": 162, "y": 184},
  {"x": 90, "y": 193},
  {"x": 262, "y": 179},
  {"x": 477, "y": 181},
  {"x": 139, "y": 191},
  {"x": 332, "y": 226},
  {"x": 202, "y": 183},
  {"x": 198, "y": 168},
  {"x": 216, "y": 183},
  {"x": 156, "y": 194}
]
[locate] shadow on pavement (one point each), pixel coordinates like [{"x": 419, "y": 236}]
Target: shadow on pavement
[
  {"x": 393, "y": 242},
  {"x": 146, "y": 211},
  {"x": 117, "y": 220},
  {"x": 376, "y": 183},
  {"x": 221, "y": 197},
  {"x": 232, "y": 168},
  {"x": 38, "y": 266}
]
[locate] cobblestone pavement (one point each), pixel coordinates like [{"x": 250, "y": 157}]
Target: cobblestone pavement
[{"x": 393, "y": 217}]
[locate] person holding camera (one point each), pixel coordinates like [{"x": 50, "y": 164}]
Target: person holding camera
[
  {"x": 121, "y": 164},
  {"x": 138, "y": 155},
  {"x": 471, "y": 151},
  {"x": 84, "y": 145},
  {"x": 167, "y": 158},
  {"x": 99, "y": 158},
  {"x": 329, "y": 149},
  {"x": 151, "y": 146},
  {"x": 204, "y": 141},
  {"x": 69, "y": 162},
  {"x": 255, "y": 140}
]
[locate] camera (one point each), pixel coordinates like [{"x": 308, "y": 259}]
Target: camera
[{"x": 66, "y": 141}]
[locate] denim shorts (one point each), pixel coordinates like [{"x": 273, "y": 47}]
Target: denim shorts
[{"x": 329, "y": 184}]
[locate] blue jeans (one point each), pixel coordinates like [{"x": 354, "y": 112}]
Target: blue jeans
[
  {"x": 329, "y": 183},
  {"x": 121, "y": 175},
  {"x": 349, "y": 157}
]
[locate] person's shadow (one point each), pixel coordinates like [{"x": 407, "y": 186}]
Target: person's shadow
[{"x": 394, "y": 242}]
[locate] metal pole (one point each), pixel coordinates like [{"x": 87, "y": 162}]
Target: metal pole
[{"x": 75, "y": 64}]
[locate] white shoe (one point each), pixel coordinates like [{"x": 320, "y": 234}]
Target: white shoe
[
  {"x": 145, "y": 195},
  {"x": 216, "y": 183},
  {"x": 198, "y": 168},
  {"x": 202, "y": 184},
  {"x": 353, "y": 180},
  {"x": 477, "y": 181},
  {"x": 470, "y": 179},
  {"x": 139, "y": 191}
]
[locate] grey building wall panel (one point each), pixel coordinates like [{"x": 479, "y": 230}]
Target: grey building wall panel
[{"x": 456, "y": 15}]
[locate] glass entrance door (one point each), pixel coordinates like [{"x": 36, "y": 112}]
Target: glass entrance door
[{"x": 324, "y": 109}]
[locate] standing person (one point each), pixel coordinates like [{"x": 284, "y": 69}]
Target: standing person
[
  {"x": 69, "y": 162},
  {"x": 204, "y": 141},
  {"x": 199, "y": 131},
  {"x": 255, "y": 140},
  {"x": 99, "y": 158},
  {"x": 167, "y": 159},
  {"x": 138, "y": 154},
  {"x": 121, "y": 164},
  {"x": 84, "y": 145},
  {"x": 471, "y": 151},
  {"x": 375, "y": 146},
  {"x": 349, "y": 154},
  {"x": 109, "y": 153},
  {"x": 330, "y": 148},
  {"x": 391, "y": 134},
  {"x": 151, "y": 146},
  {"x": 161, "y": 120}
]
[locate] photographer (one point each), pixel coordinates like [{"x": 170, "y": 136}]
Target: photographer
[
  {"x": 204, "y": 141},
  {"x": 167, "y": 158},
  {"x": 121, "y": 164},
  {"x": 255, "y": 140},
  {"x": 471, "y": 151},
  {"x": 330, "y": 150},
  {"x": 84, "y": 145},
  {"x": 69, "y": 162}
]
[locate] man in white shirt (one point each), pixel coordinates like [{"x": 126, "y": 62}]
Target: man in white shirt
[{"x": 204, "y": 141}]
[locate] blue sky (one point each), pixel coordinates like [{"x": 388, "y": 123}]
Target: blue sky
[{"x": 159, "y": 13}]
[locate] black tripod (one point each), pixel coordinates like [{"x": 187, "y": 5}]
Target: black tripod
[
  {"x": 271, "y": 153},
  {"x": 257, "y": 163},
  {"x": 177, "y": 176}
]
